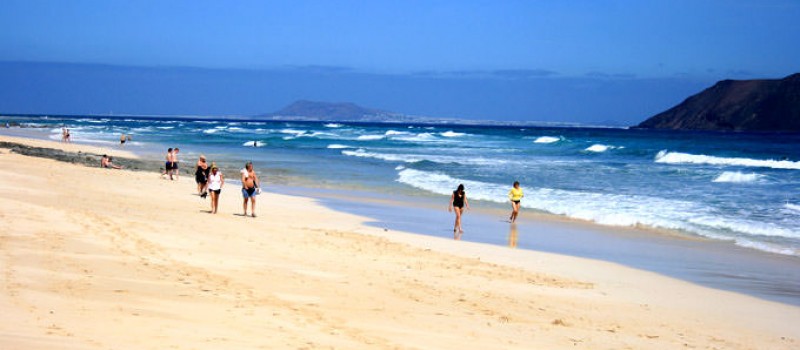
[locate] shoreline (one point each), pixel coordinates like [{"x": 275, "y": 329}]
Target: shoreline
[
  {"x": 715, "y": 264},
  {"x": 168, "y": 274},
  {"x": 282, "y": 167}
]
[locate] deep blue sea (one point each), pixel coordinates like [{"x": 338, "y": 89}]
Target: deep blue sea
[{"x": 743, "y": 188}]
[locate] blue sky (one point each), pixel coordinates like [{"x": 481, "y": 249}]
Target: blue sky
[{"x": 533, "y": 57}]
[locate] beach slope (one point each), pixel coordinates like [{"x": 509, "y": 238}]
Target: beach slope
[{"x": 95, "y": 258}]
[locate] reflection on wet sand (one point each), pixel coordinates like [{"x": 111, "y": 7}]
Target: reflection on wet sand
[{"x": 512, "y": 235}]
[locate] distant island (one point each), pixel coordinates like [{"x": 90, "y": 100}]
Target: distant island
[
  {"x": 316, "y": 111},
  {"x": 737, "y": 105},
  {"x": 332, "y": 111}
]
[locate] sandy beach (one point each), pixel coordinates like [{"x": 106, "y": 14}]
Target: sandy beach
[{"x": 105, "y": 259}]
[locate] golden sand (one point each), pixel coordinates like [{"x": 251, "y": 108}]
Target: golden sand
[{"x": 95, "y": 258}]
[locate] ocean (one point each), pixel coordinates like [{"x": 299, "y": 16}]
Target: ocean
[{"x": 742, "y": 188}]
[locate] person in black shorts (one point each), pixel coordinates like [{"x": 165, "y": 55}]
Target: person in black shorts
[
  {"x": 168, "y": 164},
  {"x": 458, "y": 202}
]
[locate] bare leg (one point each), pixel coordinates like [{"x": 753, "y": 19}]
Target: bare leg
[
  {"x": 213, "y": 202},
  {"x": 515, "y": 212},
  {"x": 459, "y": 213},
  {"x": 457, "y": 231},
  {"x": 244, "y": 207},
  {"x": 458, "y": 216},
  {"x": 253, "y": 206}
]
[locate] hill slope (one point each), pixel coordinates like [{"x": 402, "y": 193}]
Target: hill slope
[{"x": 737, "y": 105}]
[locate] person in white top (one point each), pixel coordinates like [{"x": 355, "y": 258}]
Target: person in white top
[{"x": 215, "y": 183}]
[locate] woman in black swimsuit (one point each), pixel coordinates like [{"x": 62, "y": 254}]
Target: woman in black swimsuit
[
  {"x": 201, "y": 176},
  {"x": 458, "y": 201}
]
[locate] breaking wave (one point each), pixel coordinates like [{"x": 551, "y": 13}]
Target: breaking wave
[
  {"x": 735, "y": 176},
  {"x": 667, "y": 157},
  {"x": 547, "y": 139}
]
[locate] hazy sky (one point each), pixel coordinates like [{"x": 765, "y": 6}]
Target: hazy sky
[{"x": 465, "y": 51}]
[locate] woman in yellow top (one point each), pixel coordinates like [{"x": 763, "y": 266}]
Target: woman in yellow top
[{"x": 515, "y": 196}]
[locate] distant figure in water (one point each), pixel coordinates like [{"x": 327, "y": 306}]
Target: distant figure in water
[
  {"x": 122, "y": 140},
  {"x": 255, "y": 143},
  {"x": 458, "y": 201},
  {"x": 515, "y": 196}
]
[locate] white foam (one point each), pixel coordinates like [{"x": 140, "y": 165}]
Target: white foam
[
  {"x": 333, "y": 125},
  {"x": 421, "y": 137},
  {"x": 607, "y": 209},
  {"x": 667, "y": 157},
  {"x": 254, "y": 144},
  {"x": 387, "y": 157},
  {"x": 210, "y": 131},
  {"x": 737, "y": 177},
  {"x": 598, "y": 148},
  {"x": 451, "y": 133},
  {"x": 394, "y": 132},
  {"x": 416, "y": 158},
  {"x": 546, "y": 139},
  {"x": 791, "y": 206},
  {"x": 338, "y": 146},
  {"x": 767, "y": 247},
  {"x": 292, "y": 132},
  {"x": 369, "y": 137},
  {"x": 316, "y": 134}
]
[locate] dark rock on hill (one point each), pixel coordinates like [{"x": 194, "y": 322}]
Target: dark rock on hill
[{"x": 737, "y": 105}]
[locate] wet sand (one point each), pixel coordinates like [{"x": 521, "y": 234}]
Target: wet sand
[
  {"x": 99, "y": 258},
  {"x": 716, "y": 264}
]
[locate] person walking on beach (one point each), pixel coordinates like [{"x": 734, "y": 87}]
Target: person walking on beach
[
  {"x": 458, "y": 201},
  {"x": 175, "y": 170},
  {"x": 250, "y": 188},
  {"x": 215, "y": 183},
  {"x": 168, "y": 164},
  {"x": 201, "y": 176},
  {"x": 515, "y": 196}
]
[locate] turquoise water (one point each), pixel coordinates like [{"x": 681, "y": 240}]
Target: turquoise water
[{"x": 743, "y": 188}]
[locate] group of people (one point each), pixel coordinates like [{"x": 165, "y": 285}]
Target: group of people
[
  {"x": 171, "y": 165},
  {"x": 65, "y": 136},
  {"x": 210, "y": 182},
  {"x": 459, "y": 202}
]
